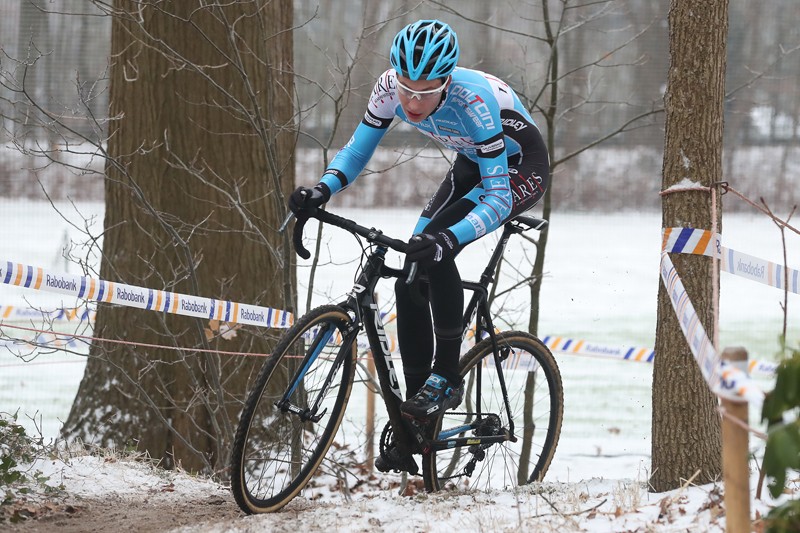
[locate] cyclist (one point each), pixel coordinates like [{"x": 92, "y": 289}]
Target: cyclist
[{"x": 501, "y": 169}]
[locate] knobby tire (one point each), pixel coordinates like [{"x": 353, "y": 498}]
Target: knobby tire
[{"x": 275, "y": 454}]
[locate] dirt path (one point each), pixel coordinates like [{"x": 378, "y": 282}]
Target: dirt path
[{"x": 116, "y": 514}]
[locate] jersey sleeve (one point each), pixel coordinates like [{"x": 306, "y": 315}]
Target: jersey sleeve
[
  {"x": 354, "y": 156},
  {"x": 496, "y": 202}
]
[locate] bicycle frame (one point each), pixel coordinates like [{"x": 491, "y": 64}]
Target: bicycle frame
[
  {"x": 361, "y": 303},
  {"x": 478, "y": 311},
  {"x": 287, "y": 429}
]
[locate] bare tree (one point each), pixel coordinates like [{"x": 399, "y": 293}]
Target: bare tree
[{"x": 686, "y": 434}]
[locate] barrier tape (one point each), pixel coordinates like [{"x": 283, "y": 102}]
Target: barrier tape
[
  {"x": 556, "y": 344},
  {"x": 689, "y": 241},
  {"x": 582, "y": 347},
  {"x": 633, "y": 353},
  {"x": 15, "y": 313},
  {"x": 142, "y": 298},
  {"x": 722, "y": 377},
  {"x": 677, "y": 240},
  {"x": 47, "y": 341},
  {"x": 700, "y": 242}
]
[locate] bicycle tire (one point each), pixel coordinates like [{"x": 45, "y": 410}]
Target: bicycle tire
[
  {"x": 275, "y": 454},
  {"x": 508, "y": 464}
]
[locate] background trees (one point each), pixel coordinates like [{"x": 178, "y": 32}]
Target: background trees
[
  {"x": 509, "y": 42},
  {"x": 211, "y": 110}
]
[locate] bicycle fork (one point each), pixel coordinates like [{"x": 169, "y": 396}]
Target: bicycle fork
[{"x": 319, "y": 342}]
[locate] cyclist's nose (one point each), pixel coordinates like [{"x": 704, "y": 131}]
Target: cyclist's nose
[{"x": 416, "y": 108}]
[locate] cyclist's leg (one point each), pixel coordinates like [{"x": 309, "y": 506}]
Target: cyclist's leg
[
  {"x": 529, "y": 175},
  {"x": 447, "y": 304},
  {"x": 444, "y": 389},
  {"x": 447, "y": 207},
  {"x": 415, "y": 333}
]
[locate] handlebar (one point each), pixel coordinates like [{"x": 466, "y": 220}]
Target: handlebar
[{"x": 371, "y": 234}]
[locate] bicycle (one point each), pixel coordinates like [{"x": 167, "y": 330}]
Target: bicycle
[{"x": 512, "y": 409}]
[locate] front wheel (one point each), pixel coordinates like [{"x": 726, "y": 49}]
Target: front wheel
[
  {"x": 293, "y": 411},
  {"x": 536, "y": 400}
]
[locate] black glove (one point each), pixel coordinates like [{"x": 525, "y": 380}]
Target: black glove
[
  {"x": 305, "y": 198},
  {"x": 427, "y": 250}
]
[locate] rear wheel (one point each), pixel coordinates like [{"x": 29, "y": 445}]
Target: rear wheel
[
  {"x": 536, "y": 399},
  {"x": 286, "y": 428}
]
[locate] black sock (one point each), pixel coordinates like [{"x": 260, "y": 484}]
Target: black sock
[{"x": 448, "y": 350}]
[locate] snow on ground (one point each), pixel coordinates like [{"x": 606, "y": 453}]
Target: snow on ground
[
  {"x": 605, "y": 502},
  {"x": 603, "y": 292}
]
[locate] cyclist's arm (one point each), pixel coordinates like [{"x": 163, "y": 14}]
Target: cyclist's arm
[
  {"x": 494, "y": 203},
  {"x": 351, "y": 160}
]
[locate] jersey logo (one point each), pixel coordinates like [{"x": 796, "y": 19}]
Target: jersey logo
[
  {"x": 474, "y": 106},
  {"x": 498, "y": 145},
  {"x": 518, "y": 125},
  {"x": 477, "y": 224},
  {"x": 449, "y": 130},
  {"x": 384, "y": 89},
  {"x": 372, "y": 121}
]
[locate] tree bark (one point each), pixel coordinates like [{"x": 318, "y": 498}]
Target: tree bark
[
  {"x": 199, "y": 159},
  {"x": 686, "y": 426}
]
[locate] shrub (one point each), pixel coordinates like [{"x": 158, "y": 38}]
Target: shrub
[{"x": 781, "y": 411}]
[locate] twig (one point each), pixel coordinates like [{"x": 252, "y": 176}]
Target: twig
[{"x": 567, "y": 515}]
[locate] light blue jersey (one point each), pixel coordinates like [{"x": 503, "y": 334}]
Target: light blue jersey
[{"x": 480, "y": 117}]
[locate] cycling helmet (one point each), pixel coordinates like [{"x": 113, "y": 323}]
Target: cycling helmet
[{"x": 425, "y": 50}]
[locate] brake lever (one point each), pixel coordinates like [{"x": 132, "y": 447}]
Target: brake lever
[
  {"x": 412, "y": 273},
  {"x": 289, "y": 217}
]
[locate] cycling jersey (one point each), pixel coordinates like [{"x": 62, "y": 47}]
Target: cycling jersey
[{"x": 480, "y": 117}]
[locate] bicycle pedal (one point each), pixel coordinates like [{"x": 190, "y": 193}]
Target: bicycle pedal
[
  {"x": 423, "y": 426},
  {"x": 392, "y": 461}
]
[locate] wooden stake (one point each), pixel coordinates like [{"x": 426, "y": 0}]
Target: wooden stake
[{"x": 735, "y": 454}]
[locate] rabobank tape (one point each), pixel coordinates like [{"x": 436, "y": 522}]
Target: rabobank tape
[
  {"x": 16, "y": 313},
  {"x": 699, "y": 343},
  {"x": 583, "y": 347},
  {"x": 700, "y": 242},
  {"x": 760, "y": 270},
  {"x": 689, "y": 241},
  {"x": 142, "y": 298},
  {"x": 723, "y": 378}
]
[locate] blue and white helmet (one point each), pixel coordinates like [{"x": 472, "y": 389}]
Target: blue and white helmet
[{"x": 425, "y": 50}]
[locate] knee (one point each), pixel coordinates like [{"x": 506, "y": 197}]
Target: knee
[
  {"x": 402, "y": 290},
  {"x": 410, "y": 296}
]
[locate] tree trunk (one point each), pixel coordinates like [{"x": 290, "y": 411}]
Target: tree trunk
[
  {"x": 199, "y": 159},
  {"x": 686, "y": 426}
]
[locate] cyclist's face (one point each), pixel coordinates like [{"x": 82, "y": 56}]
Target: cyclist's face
[{"x": 419, "y": 97}]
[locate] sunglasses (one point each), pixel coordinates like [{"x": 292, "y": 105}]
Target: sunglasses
[{"x": 409, "y": 93}]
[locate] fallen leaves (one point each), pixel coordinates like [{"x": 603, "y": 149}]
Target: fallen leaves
[{"x": 22, "y": 511}]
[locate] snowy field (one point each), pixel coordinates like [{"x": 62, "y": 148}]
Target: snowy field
[{"x": 601, "y": 285}]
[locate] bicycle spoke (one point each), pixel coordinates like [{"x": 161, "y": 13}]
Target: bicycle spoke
[{"x": 535, "y": 400}]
